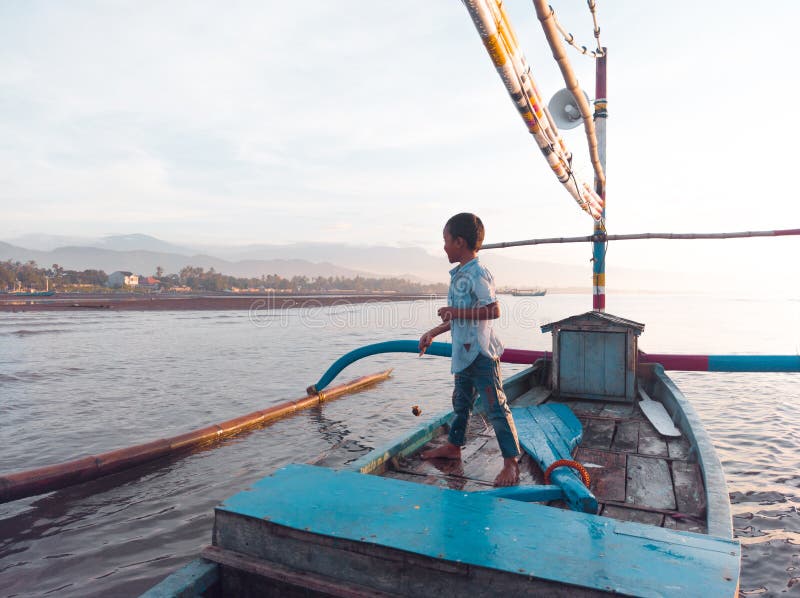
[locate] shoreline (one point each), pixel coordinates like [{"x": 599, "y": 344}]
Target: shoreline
[{"x": 127, "y": 302}]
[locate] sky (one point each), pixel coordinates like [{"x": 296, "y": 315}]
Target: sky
[{"x": 371, "y": 123}]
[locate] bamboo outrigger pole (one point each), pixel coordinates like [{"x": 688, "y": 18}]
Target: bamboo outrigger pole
[
  {"x": 684, "y": 362},
  {"x": 54, "y": 477},
  {"x": 602, "y": 237}
]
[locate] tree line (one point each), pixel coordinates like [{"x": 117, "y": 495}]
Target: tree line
[{"x": 30, "y": 275}]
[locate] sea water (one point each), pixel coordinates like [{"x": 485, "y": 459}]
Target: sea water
[{"x": 79, "y": 383}]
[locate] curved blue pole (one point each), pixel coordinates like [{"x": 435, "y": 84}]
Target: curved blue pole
[{"x": 439, "y": 349}]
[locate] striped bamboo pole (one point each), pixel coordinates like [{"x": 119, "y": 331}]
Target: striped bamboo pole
[
  {"x": 642, "y": 236},
  {"x": 501, "y": 43},
  {"x": 54, "y": 477},
  {"x": 599, "y": 247}
]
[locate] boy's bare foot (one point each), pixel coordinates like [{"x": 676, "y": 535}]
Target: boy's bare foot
[
  {"x": 446, "y": 451},
  {"x": 509, "y": 475}
]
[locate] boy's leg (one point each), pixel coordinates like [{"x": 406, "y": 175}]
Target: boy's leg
[
  {"x": 464, "y": 395},
  {"x": 490, "y": 385}
]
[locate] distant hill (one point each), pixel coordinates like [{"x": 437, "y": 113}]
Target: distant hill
[
  {"x": 414, "y": 263},
  {"x": 146, "y": 262},
  {"x": 142, "y": 254},
  {"x": 137, "y": 242},
  {"x": 133, "y": 242},
  {"x": 41, "y": 242}
]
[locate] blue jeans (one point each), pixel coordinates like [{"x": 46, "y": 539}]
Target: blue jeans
[{"x": 482, "y": 377}]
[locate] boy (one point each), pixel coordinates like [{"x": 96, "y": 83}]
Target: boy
[{"x": 476, "y": 350}]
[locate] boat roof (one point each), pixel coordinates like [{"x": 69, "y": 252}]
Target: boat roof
[{"x": 600, "y": 317}]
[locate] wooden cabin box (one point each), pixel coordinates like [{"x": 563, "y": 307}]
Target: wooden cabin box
[{"x": 595, "y": 356}]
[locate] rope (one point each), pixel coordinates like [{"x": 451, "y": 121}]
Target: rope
[
  {"x": 568, "y": 463},
  {"x": 570, "y": 39}
]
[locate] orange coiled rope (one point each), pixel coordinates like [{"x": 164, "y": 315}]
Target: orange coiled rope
[{"x": 568, "y": 463}]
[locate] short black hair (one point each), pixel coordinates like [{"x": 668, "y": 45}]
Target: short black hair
[{"x": 467, "y": 226}]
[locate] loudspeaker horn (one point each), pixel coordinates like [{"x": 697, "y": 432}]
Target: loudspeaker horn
[{"x": 564, "y": 109}]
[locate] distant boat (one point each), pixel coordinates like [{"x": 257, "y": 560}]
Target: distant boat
[
  {"x": 529, "y": 292},
  {"x": 33, "y": 293}
]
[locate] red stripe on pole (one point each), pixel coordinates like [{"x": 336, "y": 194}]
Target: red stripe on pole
[
  {"x": 600, "y": 77},
  {"x": 686, "y": 363},
  {"x": 789, "y": 231},
  {"x": 522, "y": 356},
  {"x": 599, "y": 301}
]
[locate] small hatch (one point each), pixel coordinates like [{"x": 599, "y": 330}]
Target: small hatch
[{"x": 595, "y": 356}]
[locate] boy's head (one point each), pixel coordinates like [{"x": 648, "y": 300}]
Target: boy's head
[{"x": 468, "y": 227}]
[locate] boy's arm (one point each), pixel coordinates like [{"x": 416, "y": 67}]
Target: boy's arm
[
  {"x": 427, "y": 338},
  {"x": 484, "y": 312}
]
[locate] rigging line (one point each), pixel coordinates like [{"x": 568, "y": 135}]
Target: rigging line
[
  {"x": 545, "y": 13},
  {"x": 643, "y": 236},
  {"x": 570, "y": 38},
  {"x": 585, "y": 204}
]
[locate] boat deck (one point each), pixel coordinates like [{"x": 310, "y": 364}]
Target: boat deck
[{"x": 636, "y": 474}]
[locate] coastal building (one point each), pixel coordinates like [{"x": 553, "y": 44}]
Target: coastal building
[
  {"x": 149, "y": 282},
  {"x": 121, "y": 278}
]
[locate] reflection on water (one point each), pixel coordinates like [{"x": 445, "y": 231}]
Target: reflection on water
[{"x": 122, "y": 378}]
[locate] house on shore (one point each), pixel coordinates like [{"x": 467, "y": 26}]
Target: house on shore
[{"x": 150, "y": 283}]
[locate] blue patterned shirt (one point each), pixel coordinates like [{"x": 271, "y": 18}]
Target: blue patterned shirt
[{"x": 472, "y": 285}]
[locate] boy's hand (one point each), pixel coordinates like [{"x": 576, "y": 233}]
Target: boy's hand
[
  {"x": 447, "y": 313},
  {"x": 425, "y": 342}
]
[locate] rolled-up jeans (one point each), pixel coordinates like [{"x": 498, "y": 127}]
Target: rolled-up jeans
[{"x": 482, "y": 377}]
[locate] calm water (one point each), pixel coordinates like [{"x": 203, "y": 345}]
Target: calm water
[{"x": 74, "y": 384}]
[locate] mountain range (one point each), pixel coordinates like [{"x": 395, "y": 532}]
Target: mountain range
[{"x": 142, "y": 254}]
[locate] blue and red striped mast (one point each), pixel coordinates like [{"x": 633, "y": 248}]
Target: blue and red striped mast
[{"x": 599, "y": 245}]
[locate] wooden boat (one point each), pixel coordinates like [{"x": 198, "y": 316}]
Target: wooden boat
[
  {"x": 32, "y": 293},
  {"x": 654, "y": 521},
  {"x": 529, "y": 292},
  {"x": 618, "y": 495}
]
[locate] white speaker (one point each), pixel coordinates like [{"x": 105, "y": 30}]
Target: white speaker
[{"x": 564, "y": 109}]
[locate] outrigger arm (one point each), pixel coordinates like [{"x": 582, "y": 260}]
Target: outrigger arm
[{"x": 686, "y": 363}]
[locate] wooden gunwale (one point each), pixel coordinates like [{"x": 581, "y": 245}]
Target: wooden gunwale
[{"x": 719, "y": 519}]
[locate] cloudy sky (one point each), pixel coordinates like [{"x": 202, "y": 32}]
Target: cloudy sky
[{"x": 371, "y": 122}]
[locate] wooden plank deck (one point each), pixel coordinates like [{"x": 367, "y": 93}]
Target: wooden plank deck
[{"x": 637, "y": 475}]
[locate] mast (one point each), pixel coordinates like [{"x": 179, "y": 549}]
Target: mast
[{"x": 599, "y": 246}]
